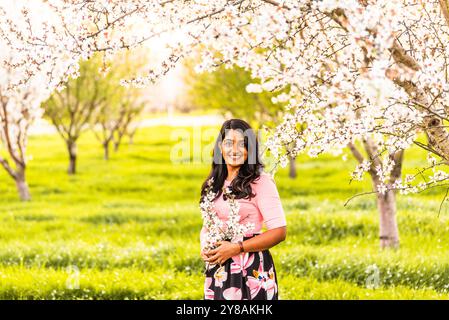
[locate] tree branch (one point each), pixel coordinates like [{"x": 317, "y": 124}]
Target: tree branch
[{"x": 355, "y": 152}]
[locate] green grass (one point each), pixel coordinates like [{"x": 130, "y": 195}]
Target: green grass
[{"x": 128, "y": 228}]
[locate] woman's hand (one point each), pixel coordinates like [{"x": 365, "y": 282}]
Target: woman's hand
[
  {"x": 224, "y": 251},
  {"x": 203, "y": 254}
]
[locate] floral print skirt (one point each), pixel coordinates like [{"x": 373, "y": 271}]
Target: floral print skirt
[{"x": 247, "y": 276}]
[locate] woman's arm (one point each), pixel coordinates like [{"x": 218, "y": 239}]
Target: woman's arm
[
  {"x": 264, "y": 241},
  {"x": 270, "y": 207}
]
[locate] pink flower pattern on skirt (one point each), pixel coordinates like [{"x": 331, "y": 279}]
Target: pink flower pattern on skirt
[
  {"x": 262, "y": 280},
  {"x": 209, "y": 293},
  {"x": 247, "y": 276},
  {"x": 232, "y": 293},
  {"x": 242, "y": 262},
  {"x": 220, "y": 276}
]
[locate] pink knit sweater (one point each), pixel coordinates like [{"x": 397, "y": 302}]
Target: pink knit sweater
[{"x": 265, "y": 207}]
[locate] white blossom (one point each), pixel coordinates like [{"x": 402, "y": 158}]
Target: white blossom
[
  {"x": 336, "y": 71},
  {"x": 218, "y": 230}
]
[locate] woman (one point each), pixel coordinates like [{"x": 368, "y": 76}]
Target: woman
[{"x": 243, "y": 270}]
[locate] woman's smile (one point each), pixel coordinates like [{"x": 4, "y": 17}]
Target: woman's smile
[{"x": 235, "y": 157}]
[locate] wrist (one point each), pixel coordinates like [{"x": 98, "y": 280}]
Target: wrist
[
  {"x": 241, "y": 248},
  {"x": 236, "y": 249}
]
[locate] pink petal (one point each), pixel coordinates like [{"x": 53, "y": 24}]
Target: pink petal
[
  {"x": 237, "y": 259},
  {"x": 244, "y": 261},
  {"x": 232, "y": 293},
  {"x": 207, "y": 282},
  {"x": 254, "y": 286},
  {"x": 248, "y": 260},
  {"x": 261, "y": 262},
  {"x": 209, "y": 294},
  {"x": 261, "y": 266},
  {"x": 271, "y": 289},
  {"x": 235, "y": 268}
]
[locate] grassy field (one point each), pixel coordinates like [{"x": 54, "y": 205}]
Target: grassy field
[{"x": 129, "y": 228}]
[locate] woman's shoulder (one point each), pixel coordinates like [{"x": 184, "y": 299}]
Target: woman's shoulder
[{"x": 263, "y": 178}]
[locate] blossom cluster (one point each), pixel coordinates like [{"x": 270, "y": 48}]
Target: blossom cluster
[
  {"x": 217, "y": 230},
  {"x": 348, "y": 69}
]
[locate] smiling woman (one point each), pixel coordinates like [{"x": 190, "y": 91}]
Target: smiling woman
[{"x": 242, "y": 268}]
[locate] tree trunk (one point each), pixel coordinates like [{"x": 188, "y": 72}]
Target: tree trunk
[
  {"x": 388, "y": 228},
  {"x": 22, "y": 186},
  {"x": 292, "y": 168},
  {"x": 71, "y": 147},
  {"x": 106, "y": 150},
  {"x": 116, "y": 146},
  {"x": 386, "y": 203},
  {"x": 131, "y": 138}
]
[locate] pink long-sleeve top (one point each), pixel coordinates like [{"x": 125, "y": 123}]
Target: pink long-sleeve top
[{"x": 265, "y": 207}]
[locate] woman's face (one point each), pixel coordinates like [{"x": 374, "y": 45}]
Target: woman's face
[{"x": 233, "y": 148}]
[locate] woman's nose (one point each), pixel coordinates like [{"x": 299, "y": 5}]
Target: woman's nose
[{"x": 235, "y": 149}]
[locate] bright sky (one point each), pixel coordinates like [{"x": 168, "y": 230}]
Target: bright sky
[{"x": 170, "y": 88}]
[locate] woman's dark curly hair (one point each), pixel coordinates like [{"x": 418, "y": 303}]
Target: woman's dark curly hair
[{"x": 248, "y": 172}]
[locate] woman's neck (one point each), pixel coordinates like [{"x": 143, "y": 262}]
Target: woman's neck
[{"x": 232, "y": 173}]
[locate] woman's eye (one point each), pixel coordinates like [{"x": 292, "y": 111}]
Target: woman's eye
[
  {"x": 228, "y": 144},
  {"x": 241, "y": 144}
]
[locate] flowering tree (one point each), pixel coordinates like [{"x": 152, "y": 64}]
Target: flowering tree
[
  {"x": 25, "y": 79},
  {"x": 71, "y": 110},
  {"x": 17, "y": 111},
  {"x": 121, "y": 106},
  {"x": 95, "y": 98},
  {"x": 114, "y": 120},
  {"x": 349, "y": 69}
]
